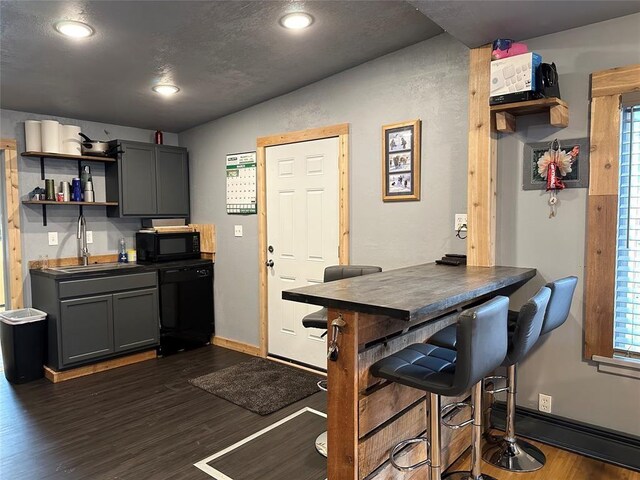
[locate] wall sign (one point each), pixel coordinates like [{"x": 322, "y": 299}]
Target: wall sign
[{"x": 241, "y": 183}]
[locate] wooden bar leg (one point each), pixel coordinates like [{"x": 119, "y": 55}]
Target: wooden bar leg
[{"x": 342, "y": 411}]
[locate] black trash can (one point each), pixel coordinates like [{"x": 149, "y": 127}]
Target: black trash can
[{"x": 23, "y": 335}]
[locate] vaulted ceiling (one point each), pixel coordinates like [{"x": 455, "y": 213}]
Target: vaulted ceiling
[{"x": 228, "y": 55}]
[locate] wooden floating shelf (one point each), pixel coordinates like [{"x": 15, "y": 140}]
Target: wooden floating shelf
[
  {"x": 62, "y": 156},
  {"x": 53, "y": 202},
  {"x": 506, "y": 114}
]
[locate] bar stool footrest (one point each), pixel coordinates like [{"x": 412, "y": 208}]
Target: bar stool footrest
[
  {"x": 495, "y": 390},
  {"x": 402, "y": 445},
  {"x": 449, "y": 408}
]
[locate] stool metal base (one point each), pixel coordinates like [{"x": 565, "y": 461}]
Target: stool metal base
[
  {"x": 321, "y": 444},
  {"x": 516, "y": 456},
  {"x": 466, "y": 476}
]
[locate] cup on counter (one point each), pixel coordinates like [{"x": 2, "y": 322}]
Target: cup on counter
[
  {"x": 89, "y": 196},
  {"x": 59, "y": 197}
]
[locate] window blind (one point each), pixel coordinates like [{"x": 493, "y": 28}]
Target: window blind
[{"x": 626, "y": 334}]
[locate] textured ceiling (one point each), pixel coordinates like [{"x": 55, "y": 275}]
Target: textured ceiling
[
  {"x": 224, "y": 55},
  {"x": 477, "y": 22}
]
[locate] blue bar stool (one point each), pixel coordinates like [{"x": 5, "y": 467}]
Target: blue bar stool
[{"x": 481, "y": 335}]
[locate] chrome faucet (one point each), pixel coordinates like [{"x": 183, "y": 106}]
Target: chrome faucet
[{"x": 82, "y": 236}]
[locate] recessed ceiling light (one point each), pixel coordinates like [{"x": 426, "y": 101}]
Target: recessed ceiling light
[
  {"x": 296, "y": 21},
  {"x": 73, "y": 29},
  {"x": 165, "y": 90}
]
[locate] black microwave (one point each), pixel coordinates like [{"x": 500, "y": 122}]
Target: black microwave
[{"x": 155, "y": 247}]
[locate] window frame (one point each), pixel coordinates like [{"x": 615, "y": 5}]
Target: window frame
[{"x": 607, "y": 88}]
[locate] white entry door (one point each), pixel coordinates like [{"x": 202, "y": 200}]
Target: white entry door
[{"x": 302, "y": 238}]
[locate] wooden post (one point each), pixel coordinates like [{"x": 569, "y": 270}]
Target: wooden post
[
  {"x": 482, "y": 164},
  {"x": 14, "y": 247}
]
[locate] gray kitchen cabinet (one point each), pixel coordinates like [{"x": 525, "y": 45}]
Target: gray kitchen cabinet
[
  {"x": 86, "y": 326},
  {"x": 148, "y": 180},
  {"x": 135, "y": 319},
  {"x": 172, "y": 180},
  {"x": 91, "y": 318}
]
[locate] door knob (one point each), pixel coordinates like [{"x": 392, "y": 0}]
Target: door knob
[{"x": 269, "y": 263}]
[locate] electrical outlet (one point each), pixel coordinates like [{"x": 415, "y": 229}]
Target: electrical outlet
[
  {"x": 53, "y": 238},
  {"x": 237, "y": 230},
  {"x": 89, "y": 236},
  {"x": 544, "y": 403},
  {"x": 460, "y": 222}
]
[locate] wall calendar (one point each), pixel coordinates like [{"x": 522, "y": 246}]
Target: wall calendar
[{"x": 241, "y": 183}]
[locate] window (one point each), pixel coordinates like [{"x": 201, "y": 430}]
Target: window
[{"x": 626, "y": 325}]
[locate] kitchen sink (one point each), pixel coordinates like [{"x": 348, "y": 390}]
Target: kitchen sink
[{"x": 97, "y": 267}]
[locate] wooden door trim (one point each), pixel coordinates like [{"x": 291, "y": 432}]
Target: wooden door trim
[
  {"x": 341, "y": 131},
  {"x": 14, "y": 247}
]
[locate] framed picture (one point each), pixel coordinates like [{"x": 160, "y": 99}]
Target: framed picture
[
  {"x": 575, "y": 150},
  {"x": 401, "y": 161}
]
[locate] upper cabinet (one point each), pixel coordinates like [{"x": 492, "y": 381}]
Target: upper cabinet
[{"x": 149, "y": 180}]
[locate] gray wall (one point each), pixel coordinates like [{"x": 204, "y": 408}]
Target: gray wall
[
  {"x": 106, "y": 231},
  {"x": 556, "y": 246},
  {"x": 427, "y": 81}
]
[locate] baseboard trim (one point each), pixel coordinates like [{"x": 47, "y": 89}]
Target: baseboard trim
[
  {"x": 56, "y": 376},
  {"x": 602, "y": 444},
  {"x": 236, "y": 345}
]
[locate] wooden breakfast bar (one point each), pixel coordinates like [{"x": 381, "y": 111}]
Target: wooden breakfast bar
[{"x": 381, "y": 314}]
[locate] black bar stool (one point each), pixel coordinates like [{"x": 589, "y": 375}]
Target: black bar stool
[
  {"x": 508, "y": 452},
  {"x": 318, "y": 319},
  {"x": 524, "y": 327},
  {"x": 482, "y": 345}
]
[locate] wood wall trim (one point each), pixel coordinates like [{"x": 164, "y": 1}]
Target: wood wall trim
[
  {"x": 482, "y": 164},
  {"x": 236, "y": 345},
  {"x": 600, "y": 275},
  {"x": 607, "y": 87},
  {"x": 304, "y": 135},
  {"x": 615, "y": 81},
  {"x": 62, "y": 376},
  {"x": 344, "y": 230},
  {"x": 13, "y": 244},
  {"x": 604, "y": 164}
]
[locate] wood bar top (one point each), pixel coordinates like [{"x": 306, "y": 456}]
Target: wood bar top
[{"x": 411, "y": 293}]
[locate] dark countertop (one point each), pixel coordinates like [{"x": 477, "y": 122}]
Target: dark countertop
[
  {"x": 138, "y": 268},
  {"x": 412, "y": 292}
]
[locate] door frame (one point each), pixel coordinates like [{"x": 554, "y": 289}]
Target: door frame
[
  {"x": 12, "y": 235},
  {"x": 341, "y": 131}
]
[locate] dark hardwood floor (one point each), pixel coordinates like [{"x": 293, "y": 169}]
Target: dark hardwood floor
[{"x": 142, "y": 421}]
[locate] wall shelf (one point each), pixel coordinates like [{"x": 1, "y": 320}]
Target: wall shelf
[
  {"x": 505, "y": 115},
  {"x": 62, "y": 156},
  {"x": 45, "y": 203}
]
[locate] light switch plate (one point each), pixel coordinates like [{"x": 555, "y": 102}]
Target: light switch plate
[
  {"x": 460, "y": 220},
  {"x": 237, "y": 230},
  {"x": 53, "y": 238},
  {"x": 89, "y": 236}
]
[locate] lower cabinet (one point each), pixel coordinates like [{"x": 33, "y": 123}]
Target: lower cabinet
[
  {"x": 96, "y": 318},
  {"x": 135, "y": 319},
  {"x": 86, "y": 326}
]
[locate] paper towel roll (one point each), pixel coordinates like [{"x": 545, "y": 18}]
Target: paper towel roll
[
  {"x": 33, "y": 142},
  {"x": 50, "y": 136},
  {"x": 71, "y": 140}
]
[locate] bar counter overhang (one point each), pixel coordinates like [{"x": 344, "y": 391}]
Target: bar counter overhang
[{"x": 383, "y": 313}]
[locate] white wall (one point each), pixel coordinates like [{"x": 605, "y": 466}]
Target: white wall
[
  {"x": 427, "y": 81},
  {"x": 556, "y": 246},
  {"x": 63, "y": 219}
]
